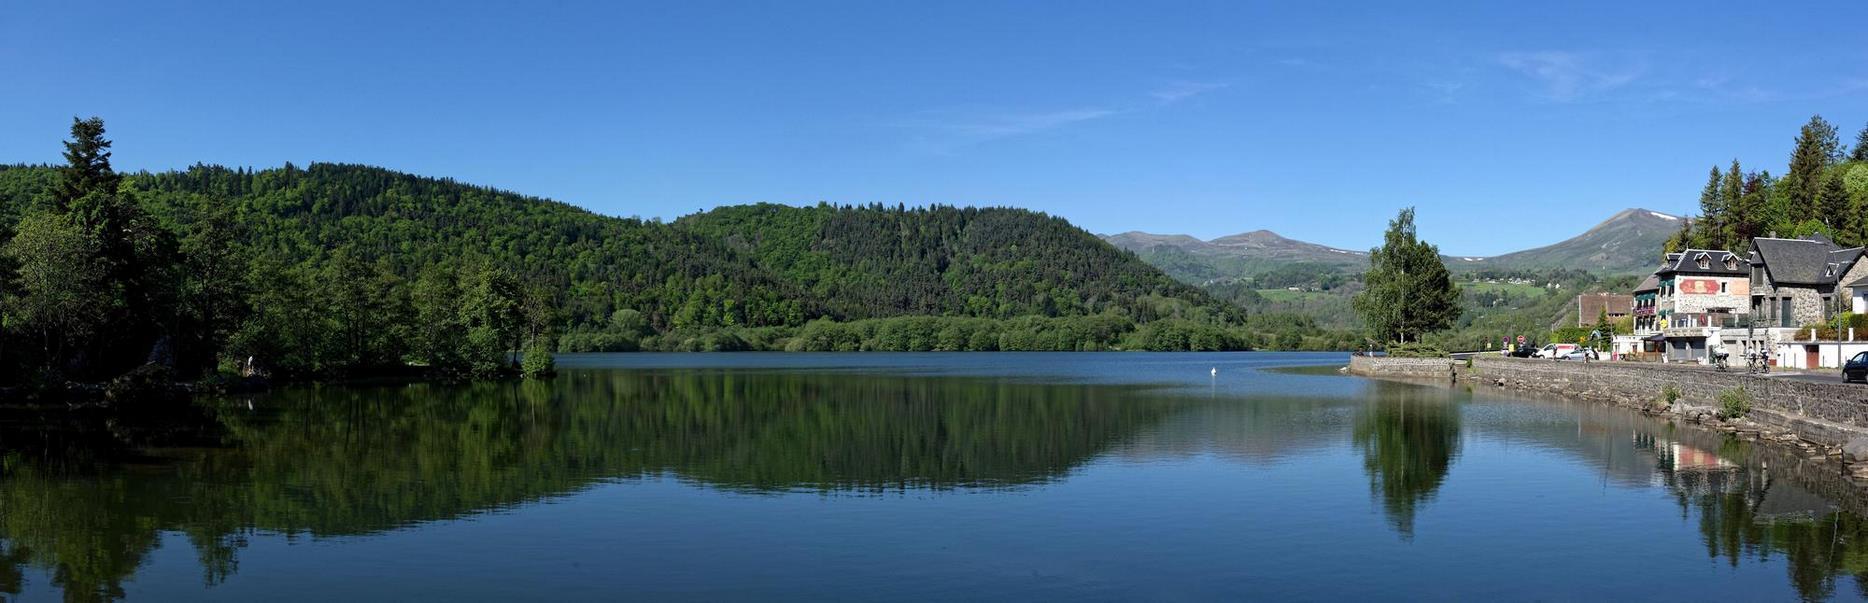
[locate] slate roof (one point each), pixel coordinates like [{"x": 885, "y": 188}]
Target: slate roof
[
  {"x": 1652, "y": 283},
  {"x": 1804, "y": 261},
  {"x": 1687, "y": 262}
]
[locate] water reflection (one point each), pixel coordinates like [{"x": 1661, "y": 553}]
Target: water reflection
[
  {"x": 86, "y": 498},
  {"x": 1408, "y": 438}
]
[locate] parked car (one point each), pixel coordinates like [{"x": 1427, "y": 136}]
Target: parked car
[
  {"x": 1581, "y": 354},
  {"x": 1557, "y": 350},
  {"x": 1523, "y": 351},
  {"x": 1856, "y": 369}
]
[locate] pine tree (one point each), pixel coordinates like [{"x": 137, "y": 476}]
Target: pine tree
[
  {"x": 1861, "y": 146},
  {"x": 87, "y": 163},
  {"x": 1835, "y": 207},
  {"x": 1711, "y": 232},
  {"x": 1739, "y": 227},
  {"x": 1679, "y": 241},
  {"x": 1604, "y": 330},
  {"x": 1409, "y": 291},
  {"x": 1816, "y": 148}
]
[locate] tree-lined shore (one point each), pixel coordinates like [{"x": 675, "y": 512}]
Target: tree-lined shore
[{"x": 335, "y": 271}]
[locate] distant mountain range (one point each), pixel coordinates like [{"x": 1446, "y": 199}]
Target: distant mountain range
[{"x": 1629, "y": 242}]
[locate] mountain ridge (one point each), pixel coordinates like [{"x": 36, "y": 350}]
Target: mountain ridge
[{"x": 1624, "y": 243}]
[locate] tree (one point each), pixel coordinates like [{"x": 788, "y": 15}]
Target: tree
[
  {"x": 1679, "y": 240},
  {"x": 1604, "y": 329},
  {"x": 1835, "y": 208},
  {"x": 1740, "y": 222},
  {"x": 1816, "y": 148},
  {"x": 1712, "y": 212},
  {"x": 212, "y": 289},
  {"x": 87, "y": 163},
  {"x": 1861, "y": 146},
  {"x": 60, "y": 283},
  {"x": 1409, "y": 291}
]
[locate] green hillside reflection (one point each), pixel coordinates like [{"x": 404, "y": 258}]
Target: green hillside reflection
[{"x": 87, "y": 501}]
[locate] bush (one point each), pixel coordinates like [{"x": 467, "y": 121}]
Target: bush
[
  {"x": 146, "y": 383},
  {"x": 1669, "y": 393},
  {"x": 1416, "y": 350},
  {"x": 537, "y": 362},
  {"x": 596, "y": 341},
  {"x": 1734, "y": 403}
]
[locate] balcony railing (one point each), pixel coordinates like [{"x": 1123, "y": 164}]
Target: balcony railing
[{"x": 1691, "y": 320}]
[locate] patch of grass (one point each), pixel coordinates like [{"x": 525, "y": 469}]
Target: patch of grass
[{"x": 1734, "y": 403}]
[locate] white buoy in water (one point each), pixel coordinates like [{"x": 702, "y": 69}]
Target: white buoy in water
[{"x": 1216, "y": 371}]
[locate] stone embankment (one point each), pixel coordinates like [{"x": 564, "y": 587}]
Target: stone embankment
[{"x": 1818, "y": 418}]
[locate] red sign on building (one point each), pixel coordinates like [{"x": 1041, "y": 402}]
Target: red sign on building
[{"x": 1699, "y": 286}]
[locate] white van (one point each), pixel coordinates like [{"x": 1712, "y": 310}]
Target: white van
[{"x": 1558, "y": 350}]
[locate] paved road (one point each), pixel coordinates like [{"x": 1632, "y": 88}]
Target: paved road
[{"x": 1822, "y": 376}]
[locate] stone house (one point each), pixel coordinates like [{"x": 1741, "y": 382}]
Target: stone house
[
  {"x": 1697, "y": 293},
  {"x": 1797, "y": 282},
  {"x": 1702, "y": 288}
]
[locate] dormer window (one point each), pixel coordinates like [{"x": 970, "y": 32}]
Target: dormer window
[
  {"x": 1731, "y": 263},
  {"x": 1703, "y": 261}
]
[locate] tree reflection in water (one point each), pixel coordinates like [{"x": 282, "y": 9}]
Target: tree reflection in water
[
  {"x": 1746, "y": 512},
  {"x": 1409, "y": 437},
  {"x": 88, "y": 498},
  {"x": 85, "y": 497}
]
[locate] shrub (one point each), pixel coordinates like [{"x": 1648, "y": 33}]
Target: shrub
[
  {"x": 1416, "y": 350},
  {"x": 1734, "y": 403},
  {"x": 146, "y": 383},
  {"x": 1669, "y": 393},
  {"x": 537, "y": 362}
]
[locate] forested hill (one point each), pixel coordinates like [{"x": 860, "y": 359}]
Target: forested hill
[
  {"x": 308, "y": 258},
  {"x": 1000, "y": 262},
  {"x": 592, "y": 265},
  {"x": 760, "y": 265}
]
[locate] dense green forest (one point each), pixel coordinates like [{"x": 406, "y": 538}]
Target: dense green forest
[
  {"x": 1825, "y": 191},
  {"x": 339, "y": 270}
]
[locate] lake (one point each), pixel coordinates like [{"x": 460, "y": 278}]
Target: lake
[{"x": 871, "y": 476}]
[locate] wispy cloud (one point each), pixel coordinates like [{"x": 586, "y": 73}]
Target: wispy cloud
[
  {"x": 944, "y": 131},
  {"x": 1569, "y": 76},
  {"x": 1182, "y": 90},
  {"x": 947, "y": 130},
  {"x": 1723, "y": 87}
]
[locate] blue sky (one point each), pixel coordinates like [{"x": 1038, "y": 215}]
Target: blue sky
[{"x": 1508, "y": 124}]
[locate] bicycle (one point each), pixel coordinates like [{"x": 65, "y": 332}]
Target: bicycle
[
  {"x": 1756, "y": 364},
  {"x": 1719, "y": 362}
]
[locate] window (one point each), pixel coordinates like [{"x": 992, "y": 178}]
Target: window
[{"x": 1721, "y": 287}]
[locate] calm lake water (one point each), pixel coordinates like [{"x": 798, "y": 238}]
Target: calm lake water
[{"x": 912, "y": 477}]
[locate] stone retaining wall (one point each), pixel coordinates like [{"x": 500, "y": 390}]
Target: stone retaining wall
[
  {"x": 1828, "y": 413},
  {"x": 1382, "y": 366}
]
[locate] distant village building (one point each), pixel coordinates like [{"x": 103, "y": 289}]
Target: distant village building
[
  {"x": 1591, "y": 306},
  {"x": 1797, "y": 282}
]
